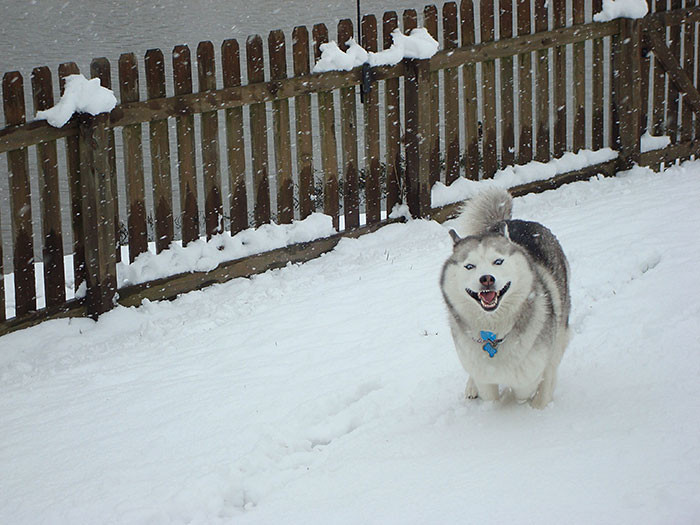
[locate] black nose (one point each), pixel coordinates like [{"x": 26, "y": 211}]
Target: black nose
[{"x": 487, "y": 280}]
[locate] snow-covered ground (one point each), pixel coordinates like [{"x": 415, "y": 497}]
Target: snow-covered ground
[{"x": 330, "y": 392}]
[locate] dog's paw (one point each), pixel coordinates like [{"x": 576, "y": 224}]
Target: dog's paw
[
  {"x": 540, "y": 400},
  {"x": 471, "y": 392}
]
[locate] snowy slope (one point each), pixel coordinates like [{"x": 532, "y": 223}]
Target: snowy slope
[{"x": 330, "y": 392}]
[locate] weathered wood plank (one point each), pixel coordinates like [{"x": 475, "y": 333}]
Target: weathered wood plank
[
  {"x": 559, "y": 79},
  {"x": 100, "y": 68},
  {"x": 627, "y": 67},
  {"x": 372, "y": 164},
  {"x": 20, "y": 199},
  {"x": 451, "y": 94},
  {"x": 410, "y": 20},
  {"x": 348, "y": 139},
  {"x": 542, "y": 92},
  {"x": 597, "y": 87},
  {"x": 160, "y": 154},
  {"x": 417, "y": 103},
  {"x": 98, "y": 213},
  {"x": 489, "y": 94},
  {"x": 302, "y": 106},
  {"x": 392, "y": 122},
  {"x": 133, "y": 160},
  {"x": 329, "y": 152},
  {"x": 430, "y": 22},
  {"x": 687, "y": 133},
  {"x": 525, "y": 71},
  {"x": 658, "y": 125},
  {"x": 674, "y": 95},
  {"x": 186, "y": 153},
  {"x": 213, "y": 202},
  {"x": 579, "y": 83},
  {"x": 235, "y": 142},
  {"x": 472, "y": 155},
  {"x": 258, "y": 134},
  {"x": 73, "y": 167},
  {"x": 282, "y": 135},
  {"x": 678, "y": 77},
  {"x": 47, "y": 163},
  {"x": 506, "y": 87},
  {"x": 539, "y": 41}
]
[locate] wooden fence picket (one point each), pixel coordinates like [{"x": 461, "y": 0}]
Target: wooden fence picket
[
  {"x": 20, "y": 198},
  {"x": 506, "y": 88},
  {"x": 597, "y": 87},
  {"x": 47, "y": 163},
  {"x": 392, "y": 122},
  {"x": 329, "y": 153},
  {"x": 579, "y": 83},
  {"x": 160, "y": 154},
  {"x": 472, "y": 155},
  {"x": 213, "y": 203},
  {"x": 430, "y": 22},
  {"x": 282, "y": 135},
  {"x": 451, "y": 95},
  {"x": 525, "y": 76},
  {"x": 100, "y": 68},
  {"x": 488, "y": 93},
  {"x": 674, "y": 96},
  {"x": 373, "y": 204},
  {"x": 688, "y": 64},
  {"x": 304, "y": 141},
  {"x": 73, "y": 167},
  {"x": 559, "y": 79},
  {"x": 542, "y": 91},
  {"x": 348, "y": 139},
  {"x": 186, "y": 153},
  {"x": 258, "y": 134},
  {"x": 235, "y": 142},
  {"x": 133, "y": 160}
]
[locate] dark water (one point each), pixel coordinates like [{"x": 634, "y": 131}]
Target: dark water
[{"x": 49, "y": 32}]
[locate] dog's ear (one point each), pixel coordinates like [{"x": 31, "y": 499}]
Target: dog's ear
[
  {"x": 503, "y": 230},
  {"x": 455, "y": 237}
]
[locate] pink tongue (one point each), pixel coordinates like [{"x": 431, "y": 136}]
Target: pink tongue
[{"x": 488, "y": 297}]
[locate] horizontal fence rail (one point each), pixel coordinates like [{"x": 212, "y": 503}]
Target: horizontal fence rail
[{"x": 220, "y": 139}]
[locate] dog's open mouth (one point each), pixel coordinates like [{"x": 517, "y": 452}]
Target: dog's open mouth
[{"x": 489, "y": 299}]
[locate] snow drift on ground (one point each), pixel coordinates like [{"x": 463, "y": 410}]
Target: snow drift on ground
[
  {"x": 80, "y": 96},
  {"x": 330, "y": 392}
]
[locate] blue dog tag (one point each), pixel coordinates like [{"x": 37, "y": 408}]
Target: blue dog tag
[{"x": 489, "y": 340}]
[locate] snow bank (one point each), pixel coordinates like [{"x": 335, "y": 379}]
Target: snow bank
[
  {"x": 80, "y": 96},
  {"x": 419, "y": 44},
  {"x": 650, "y": 142},
  {"x": 514, "y": 175},
  {"x": 621, "y": 9},
  {"x": 202, "y": 255}
]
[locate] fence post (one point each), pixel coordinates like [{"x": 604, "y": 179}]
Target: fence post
[
  {"x": 627, "y": 96},
  {"x": 98, "y": 213},
  {"x": 418, "y": 119}
]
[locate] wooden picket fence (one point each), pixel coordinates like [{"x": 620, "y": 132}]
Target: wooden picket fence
[{"x": 420, "y": 121}]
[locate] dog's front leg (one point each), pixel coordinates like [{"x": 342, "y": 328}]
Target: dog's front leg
[{"x": 486, "y": 391}]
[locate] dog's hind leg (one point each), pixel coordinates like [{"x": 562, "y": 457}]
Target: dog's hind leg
[
  {"x": 487, "y": 392},
  {"x": 545, "y": 391}
]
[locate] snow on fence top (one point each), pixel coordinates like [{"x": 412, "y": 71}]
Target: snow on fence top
[
  {"x": 621, "y": 9},
  {"x": 418, "y": 44},
  {"x": 80, "y": 96}
]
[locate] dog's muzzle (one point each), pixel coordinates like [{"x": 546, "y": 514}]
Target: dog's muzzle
[{"x": 489, "y": 299}]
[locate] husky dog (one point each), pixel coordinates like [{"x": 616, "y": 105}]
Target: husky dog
[{"x": 506, "y": 286}]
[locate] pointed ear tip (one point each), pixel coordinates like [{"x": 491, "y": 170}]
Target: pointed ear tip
[{"x": 455, "y": 236}]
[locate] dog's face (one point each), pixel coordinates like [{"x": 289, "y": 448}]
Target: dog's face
[{"x": 486, "y": 275}]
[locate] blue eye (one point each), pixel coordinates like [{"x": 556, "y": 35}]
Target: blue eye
[
  {"x": 498, "y": 262},
  {"x": 469, "y": 266}
]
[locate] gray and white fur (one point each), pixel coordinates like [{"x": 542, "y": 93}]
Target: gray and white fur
[{"x": 508, "y": 279}]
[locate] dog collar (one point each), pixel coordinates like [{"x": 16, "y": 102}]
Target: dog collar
[{"x": 489, "y": 341}]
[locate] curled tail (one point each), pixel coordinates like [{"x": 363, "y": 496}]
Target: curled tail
[{"x": 484, "y": 211}]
